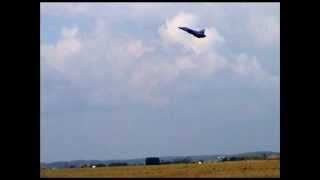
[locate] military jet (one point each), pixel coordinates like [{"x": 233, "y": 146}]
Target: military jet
[{"x": 198, "y": 34}]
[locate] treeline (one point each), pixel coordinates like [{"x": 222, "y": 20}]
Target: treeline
[
  {"x": 186, "y": 160},
  {"x": 179, "y": 161},
  {"x": 262, "y": 157},
  {"x": 97, "y": 165},
  {"x": 232, "y": 159},
  {"x": 118, "y": 164},
  {"x": 182, "y": 161}
]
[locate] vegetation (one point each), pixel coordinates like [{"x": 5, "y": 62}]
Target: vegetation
[
  {"x": 99, "y": 165},
  {"x": 245, "y": 168},
  {"x": 118, "y": 164},
  {"x": 182, "y": 161}
]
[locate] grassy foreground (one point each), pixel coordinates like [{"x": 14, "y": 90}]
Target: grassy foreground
[{"x": 250, "y": 168}]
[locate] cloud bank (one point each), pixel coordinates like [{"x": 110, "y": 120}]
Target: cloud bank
[{"x": 139, "y": 66}]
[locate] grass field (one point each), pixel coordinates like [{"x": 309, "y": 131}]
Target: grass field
[{"x": 250, "y": 168}]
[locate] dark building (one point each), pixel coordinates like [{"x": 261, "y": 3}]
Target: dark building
[{"x": 152, "y": 161}]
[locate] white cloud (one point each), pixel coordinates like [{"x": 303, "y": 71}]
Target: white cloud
[
  {"x": 66, "y": 47},
  {"x": 104, "y": 62},
  {"x": 244, "y": 65},
  {"x": 64, "y": 9},
  {"x": 200, "y": 65},
  {"x": 185, "y": 64},
  {"x": 266, "y": 29},
  {"x": 70, "y": 32},
  {"x": 136, "y": 48}
]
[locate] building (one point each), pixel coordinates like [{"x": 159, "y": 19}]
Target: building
[{"x": 152, "y": 161}]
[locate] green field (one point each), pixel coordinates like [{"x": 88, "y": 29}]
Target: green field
[{"x": 249, "y": 168}]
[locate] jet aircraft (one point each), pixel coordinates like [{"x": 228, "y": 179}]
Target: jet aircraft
[{"x": 198, "y": 34}]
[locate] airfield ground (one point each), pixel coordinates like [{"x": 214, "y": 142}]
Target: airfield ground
[{"x": 248, "y": 168}]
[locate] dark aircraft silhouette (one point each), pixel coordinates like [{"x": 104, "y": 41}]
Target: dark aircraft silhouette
[{"x": 198, "y": 34}]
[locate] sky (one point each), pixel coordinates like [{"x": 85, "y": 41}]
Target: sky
[{"x": 121, "y": 81}]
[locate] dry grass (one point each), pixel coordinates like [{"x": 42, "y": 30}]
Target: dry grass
[{"x": 252, "y": 168}]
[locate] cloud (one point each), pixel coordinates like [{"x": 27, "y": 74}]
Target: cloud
[
  {"x": 265, "y": 30},
  {"x": 244, "y": 65},
  {"x": 137, "y": 49},
  {"x": 66, "y": 47},
  {"x": 107, "y": 64},
  {"x": 69, "y": 32},
  {"x": 200, "y": 65},
  {"x": 64, "y": 9},
  {"x": 103, "y": 67}
]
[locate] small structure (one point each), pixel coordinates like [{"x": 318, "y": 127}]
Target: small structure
[
  {"x": 273, "y": 157},
  {"x": 93, "y": 166},
  {"x": 221, "y": 158},
  {"x": 152, "y": 161},
  {"x": 200, "y": 162}
]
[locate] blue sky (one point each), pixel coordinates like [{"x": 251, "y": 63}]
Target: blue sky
[{"x": 120, "y": 80}]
